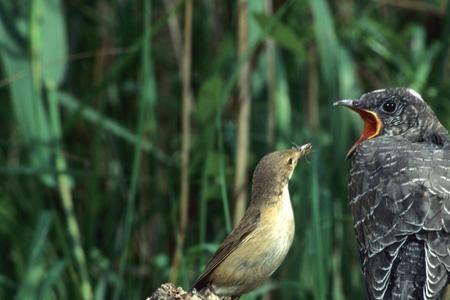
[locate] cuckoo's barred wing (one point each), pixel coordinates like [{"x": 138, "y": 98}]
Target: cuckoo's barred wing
[
  {"x": 377, "y": 270},
  {"x": 399, "y": 190},
  {"x": 436, "y": 273}
]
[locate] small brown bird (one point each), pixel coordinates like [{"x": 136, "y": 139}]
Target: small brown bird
[{"x": 259, "y": 243}]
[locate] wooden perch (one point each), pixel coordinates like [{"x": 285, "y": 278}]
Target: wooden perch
[{"x": 168, "y": 291}]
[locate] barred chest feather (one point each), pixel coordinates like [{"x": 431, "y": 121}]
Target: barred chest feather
[{"x": 399, "y": 194}]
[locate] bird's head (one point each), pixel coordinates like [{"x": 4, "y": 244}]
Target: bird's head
[
  {"x": 274, "y": 170},
  {"x": 395, "y": 112}
]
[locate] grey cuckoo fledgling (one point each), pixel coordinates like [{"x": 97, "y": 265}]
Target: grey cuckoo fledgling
[{"x": 399, "y": 193}]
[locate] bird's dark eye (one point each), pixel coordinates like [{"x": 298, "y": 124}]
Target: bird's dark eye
[
  {"x": 389, "y": 106},
  {"x": 290, "y": 161}
]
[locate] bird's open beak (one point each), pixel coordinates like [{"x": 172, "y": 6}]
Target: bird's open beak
[
  {"x": 372, "y": 123},
  {"x": 303, "y": 149},
  {"x": 306, "y": 149}
]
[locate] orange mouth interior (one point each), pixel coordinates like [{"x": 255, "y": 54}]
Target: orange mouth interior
[{"x": 372, "y": 128}]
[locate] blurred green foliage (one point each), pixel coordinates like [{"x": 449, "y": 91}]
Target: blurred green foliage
[{"x": 90, "y": 134}]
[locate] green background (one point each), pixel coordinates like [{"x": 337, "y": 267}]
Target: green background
[{"x": 90, "y": 133}]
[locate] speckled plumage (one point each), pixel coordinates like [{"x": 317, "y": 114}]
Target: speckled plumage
[{"x": 399, "y": 193}]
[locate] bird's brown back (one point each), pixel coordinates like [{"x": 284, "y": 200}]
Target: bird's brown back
[{"x": 270, "y": 176}]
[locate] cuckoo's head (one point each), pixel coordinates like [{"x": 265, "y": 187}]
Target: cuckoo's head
[
  {"x": 395, "y": 112},
  {"x": 274, "y": 170}
]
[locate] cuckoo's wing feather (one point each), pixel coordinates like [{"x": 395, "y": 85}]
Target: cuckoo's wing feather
[
  {"x": 399, "y": 189},
  {"x": 245, "y": 227}
]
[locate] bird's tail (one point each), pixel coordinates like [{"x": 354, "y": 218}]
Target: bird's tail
[{"x": 409, "y": 274}]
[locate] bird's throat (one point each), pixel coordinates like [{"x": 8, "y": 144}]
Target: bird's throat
[
  {"x": 286, "y": 207},
  {"x": 372, "y": 128}
]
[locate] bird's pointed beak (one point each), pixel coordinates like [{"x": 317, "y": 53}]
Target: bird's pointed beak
[
  {"x": 302, "y": 150},
  {"x": 306, "y": 149},
  {"x": 345, "y": 102},
  {"x": 372, "y": 123}
]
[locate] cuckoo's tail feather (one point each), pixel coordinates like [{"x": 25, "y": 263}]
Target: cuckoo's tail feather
[{"x": 409, "y": 274}]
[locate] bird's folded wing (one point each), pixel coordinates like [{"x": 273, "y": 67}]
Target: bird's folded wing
[
  {"x": 246, "y": 226},
  {"x": 402, "y": 189}
]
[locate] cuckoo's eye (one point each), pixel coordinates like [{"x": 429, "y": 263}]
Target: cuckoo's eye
[{"x": 389, "y": 106}]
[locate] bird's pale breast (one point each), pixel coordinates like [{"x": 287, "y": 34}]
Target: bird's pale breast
[{"x": 261, "y": 253}]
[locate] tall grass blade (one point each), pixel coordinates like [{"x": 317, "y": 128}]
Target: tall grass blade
[
  {"x": 326, "y": 40},
  {"x": 54, "y": 42},
  {"x": 65, "y": 183},
  {"x": 320, "y": 280},
  {"x": 71, "y": 104},
  {"x": 283, "y": 107},
  {"x": 35, "y": 273},
  {"x": 25, "y": 93},
  {"x": 145, "y": 100}
]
